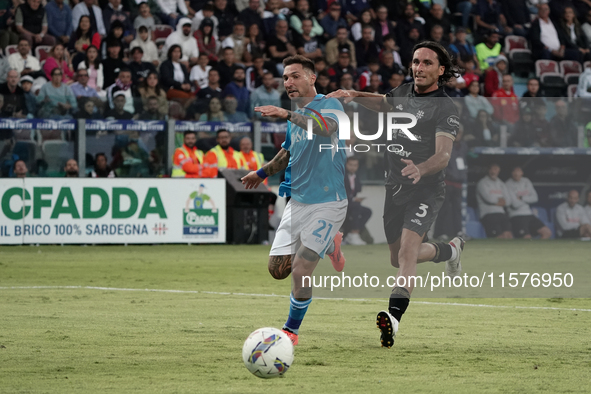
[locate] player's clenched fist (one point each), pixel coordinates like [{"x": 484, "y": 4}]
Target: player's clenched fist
[
  {"x": 272, "y": 111},
  {"x": 252, "y": 180}
]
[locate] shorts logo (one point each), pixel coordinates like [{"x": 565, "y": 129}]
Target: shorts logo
[
  {"x": 453, "y": 121},
  {"x": 416, "y": 221}
]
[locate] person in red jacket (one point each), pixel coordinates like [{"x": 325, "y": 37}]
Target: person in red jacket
[
  {"x": 505, "y": 102},
  {"x": 188, "y": 160},
  {"x": 493, "y": 77}
]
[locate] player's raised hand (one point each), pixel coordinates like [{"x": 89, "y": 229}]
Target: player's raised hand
[
  {"x": 411, "y": 171},
  {"x": 348, "y": 95},
  {"x": 251, "y": 180},
  {"x": 271, "y": 111}
]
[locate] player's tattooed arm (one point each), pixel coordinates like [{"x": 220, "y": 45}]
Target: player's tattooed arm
[
  {"x": 279, "y": 266},
  {"x": 318, "y": 129},
  {"x": 278, "y": 163}
]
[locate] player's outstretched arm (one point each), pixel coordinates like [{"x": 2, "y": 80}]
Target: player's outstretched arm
[
  {"x": 299, "y": 120},
  {"x": 279, "y": 162},
  {"x": 371, "y": 101}
]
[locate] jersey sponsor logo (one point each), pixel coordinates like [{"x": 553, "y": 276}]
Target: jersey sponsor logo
[{"x": 453, "y": 121}]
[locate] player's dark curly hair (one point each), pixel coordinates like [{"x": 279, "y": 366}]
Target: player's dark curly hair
[{"x": 445, "y": 59}]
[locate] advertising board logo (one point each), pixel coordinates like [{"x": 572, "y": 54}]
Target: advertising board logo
[{"x": 200, "y": 216}]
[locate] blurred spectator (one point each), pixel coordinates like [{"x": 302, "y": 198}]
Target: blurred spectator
[
  {"x": 523, "y": 222},
  {"x": 586, "y": 27},
  {"x": 319, "y": 65},
  {"x": 342, "y": 66},
  {"x": 584, "y": 87},
  {"x": 544, "y": 37},
  {"x": 204, "y": 95},
  {"x": 114, "y": 12},
  {"x": 563, "y": 127},
  {"x": 389, "y": 46},
  {"x": 87, "y": 7},
  {"x": 373, "y": 66},
  {"x": 492, "y": 197},
  {"x": 406, "y": 46},
  {"x": 226, "y": 66},
  {"x": 525, "y": 132},
  {"x": 307, "y": 45},
  {"x": 123, "y": 84},
  {"x": 273, "y": 14},
  {"x": 206, "y": 42},
  {"x": 472, "y": 73},
  {"x": 463, "y": 49},
  {"x": 301, "y": 12},
  {"x": 483, "y": 132},
  {"x": 255, "y": 73},
  {"x": 332, "y": 21},
  {"x": 81, "y": 39},
  {"x": 172, "y": 11},
  {"x": 87, "y": 110},
  {"x": 144, "y": 41},
  {"x": 23, "y": 62},
  {"x": 232, "y": 115},
  {"x": 449, "y": 221},
  {"x": 81, "y": 89},
  {"x": 30, "y": 21},
  {"x": 152, "y": 112},
  {"x": 237, "y": 40},
  {"x": 437, "y": 17},
  {"x": 145, "y": 18},
  {"x": 366, "y": 47},
  {"x": 383, "y": 26},
  {"x": 375, "y": 84},
  {"x": 253, "y": 160},
  {"x": 572, "y": 219},
  {"x": 188, "y": 160},
  {"x": 92, "y": 64},
  {"x": 7, "y": 34},
  {"x": 505, "y": 102},
  {"x": 205, "y": 13},
  {"x": 112, "y": 64},
  {"x": 116, "y": 33},
  {"x": 118, "y": 111},
  {"x": 15, "y": 105},
  {"x": 150, "y": 87},
  {"x": 452, "y": 87},
  {"x": 238, "y": 89},
  {"x": 588, "y": 204},
  {"x": 175, "y": 76},
  {"x": 517, "y": 16},
  {"x": 487, "y": 51},
  {"x": 225, "y": 16},
  {"x": 573, "y": 37},
  {"x": 55, "y": 99},
  {"x": 200, "y": 72},
  {"x": 30, "y": 99},
  {"x": 323, "y": 83},
  {"x": 20, "y": 169},
  {"x": 542, "y": 134},
  {"x": 251, "y": 15},
  {"x": 346, "y": 82},
  {"x": 59, "y": 20},
  {"x": 407, "y": 23},
  {"x": 533, "y": 89},
  {"x": 279, "y": 45},
  {"x": 59, "y": 58},
  {"x": 493, "y": 78},
  {"x": 436, "y": 34},
  {"x": 256, "y": 45},
  {"x": 139, "y": 68},
  {"x": 388, "y": 66},
  {"x": 475, "y": 102},
  {"x": 488, "y": 16},
  {"x": 357, "y": 215},
  {"x": 182, "y": 37},
  {"x": 214, "y": 112},
  {"x": 71, "y": 169},
  {"x": 395, "y": 80},
  {"x": 265, "y": 95},
  {"x": 221, "y": 156},
  {"x": 335, "y": 45},
  {"x": 101, "y": 168}
]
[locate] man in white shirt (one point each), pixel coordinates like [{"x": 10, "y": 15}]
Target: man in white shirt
[
  {"x": 96, "y": 17},
  {"x": 182, "y": 36},
  {"x": 544, "y": 36},
  {"x": 172, "y": 11},
  {"x": 22, "y": 61},
  {"x": 200, "y": 72},
  {"x": 572, "y": 219}
]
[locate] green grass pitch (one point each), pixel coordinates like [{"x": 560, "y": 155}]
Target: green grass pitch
[{"x": 79, "y": 319}]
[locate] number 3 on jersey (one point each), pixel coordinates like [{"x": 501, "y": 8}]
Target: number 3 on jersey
[
  {"x": 318, "y": 232},
  {"x": 423, "y": 209}
]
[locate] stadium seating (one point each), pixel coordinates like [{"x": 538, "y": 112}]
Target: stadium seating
[
  {"x": 571, "y": 70},
  {"x": 548, "y": 71},
  {"x": 571, "y": 91},
  {"x": 161, "y": 31},
  {"x": 520, "y": 56},
  {"x": 42, "y": 52}
]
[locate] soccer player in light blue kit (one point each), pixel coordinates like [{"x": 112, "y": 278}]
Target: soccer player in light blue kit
[{"x": 314, "y": 179}]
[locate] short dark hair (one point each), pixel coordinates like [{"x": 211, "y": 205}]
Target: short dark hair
[
  {"x": 142, "y": 27},
  {"x": 20, "y": 159},
  {"x": 100, "y": 154},
  {"x": 217, "y": 133},
  {"x": 124, "y": 70},
  {"x": 187, "y": 132},
  {"x": 299, "y": 59},
  {"x": 351, "y": 158},
  {"x": 172, "y": 48},
  {"x": 136, "y": 49},
  {"x": 451, "y": 67}
]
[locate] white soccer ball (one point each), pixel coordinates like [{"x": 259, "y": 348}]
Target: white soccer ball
[{"x": 267, "y": 352}]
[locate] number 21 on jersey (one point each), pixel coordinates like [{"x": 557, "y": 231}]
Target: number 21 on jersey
[{"x": 318, "y": 233}]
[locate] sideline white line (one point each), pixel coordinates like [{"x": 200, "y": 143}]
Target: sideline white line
[{"x": 282, "y": 296}]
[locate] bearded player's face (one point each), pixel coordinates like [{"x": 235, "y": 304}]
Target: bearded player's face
[
  {"x": 426, "y": 68},
  {"x": 297, "y": 81}
]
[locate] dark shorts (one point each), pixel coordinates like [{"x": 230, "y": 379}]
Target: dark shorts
[
  {"x": 411, "y": 207},
  {"x": 525, "y": 225},
  {"x": 495, "y": 224},
  {"x": 571, "y": 234}
]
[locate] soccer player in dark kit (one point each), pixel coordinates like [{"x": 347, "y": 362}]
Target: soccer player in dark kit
[{"x": 414, "y": 174}]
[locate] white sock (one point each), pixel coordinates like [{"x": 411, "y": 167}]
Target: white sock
[{"x": 454, "y": 253}]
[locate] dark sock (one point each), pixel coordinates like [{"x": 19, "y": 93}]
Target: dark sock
[
  {"x": 442, "y": 252},
  {"x": 399, "y": 300}
]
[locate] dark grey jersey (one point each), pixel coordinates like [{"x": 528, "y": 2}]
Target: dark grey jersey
[{"x": 436, "y": 115}]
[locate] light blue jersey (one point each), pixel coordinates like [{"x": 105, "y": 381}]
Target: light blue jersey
[{"x": 312, "y": 176}]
